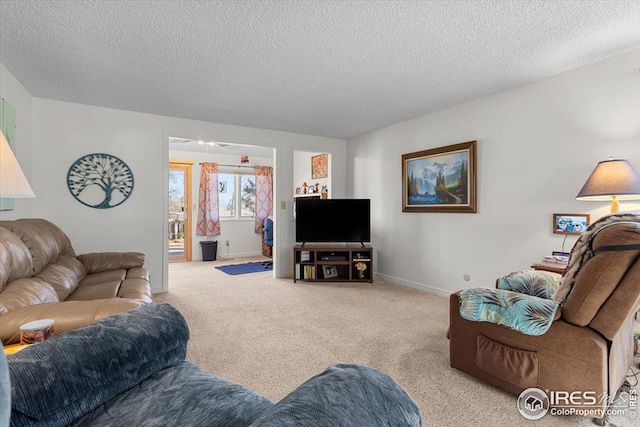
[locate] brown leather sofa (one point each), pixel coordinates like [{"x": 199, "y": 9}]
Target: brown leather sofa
[
  {"x": 41, "y": 277},
  {"x": 589, "y": 348}
]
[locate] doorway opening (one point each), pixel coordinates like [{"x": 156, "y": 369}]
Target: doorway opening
[
  {"x": 179, "y": 209},
  {"x": 240, "y": 179}
]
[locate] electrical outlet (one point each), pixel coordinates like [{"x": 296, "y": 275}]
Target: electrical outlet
[{"x": 227, "y": 243}]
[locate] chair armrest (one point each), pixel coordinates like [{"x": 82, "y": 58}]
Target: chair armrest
[
  {"x": 68, "y": 315},
  {"x": 105, "y": 261},
  {"x": 541, "y": 284},
  {"x": 344, "y": 395}
]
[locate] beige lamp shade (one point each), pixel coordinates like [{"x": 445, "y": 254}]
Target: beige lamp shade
[
  {"x": 612, "y": 180},
  {"x": 13, "y": 183}
]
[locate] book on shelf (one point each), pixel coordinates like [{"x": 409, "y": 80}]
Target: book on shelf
[
  {"x": 550, "y": 265},
  {"x": 312, "y": 272},
  {"x": 305, "y": 272},
  {"x": 556, "y": 261}
]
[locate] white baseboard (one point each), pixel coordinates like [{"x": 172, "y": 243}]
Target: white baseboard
[{"x": 422, "y": 287}]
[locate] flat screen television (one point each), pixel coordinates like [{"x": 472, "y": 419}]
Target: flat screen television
[{"x": 333, "y": 220}]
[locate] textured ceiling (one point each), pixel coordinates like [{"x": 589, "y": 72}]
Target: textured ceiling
[{"x": 336, "y": 69}]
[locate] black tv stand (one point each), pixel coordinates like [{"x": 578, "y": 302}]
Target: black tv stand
[{"x": 333, "y": 263}]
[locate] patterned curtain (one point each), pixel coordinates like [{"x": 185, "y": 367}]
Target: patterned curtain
[
  {"x": 208, "y": 215},
  {"x": 264, "y": 195}
]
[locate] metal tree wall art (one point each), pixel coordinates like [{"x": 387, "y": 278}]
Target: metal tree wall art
[{"x": 100, "y": 180}]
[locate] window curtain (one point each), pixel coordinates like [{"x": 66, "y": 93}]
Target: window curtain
[
  {"x": 208, "y": 216},
  {"x": 264, "y": 195}
]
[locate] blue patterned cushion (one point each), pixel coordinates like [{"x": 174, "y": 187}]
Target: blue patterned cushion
[
  {"x": 541, "y": 284},
  {"x": 63, "y": 378},
  {"x": 182, "y": 395},
  {"x": 344, "y": 396},
  {"x": 5, "y": 391},
  {"x": 523, "y": 313}
]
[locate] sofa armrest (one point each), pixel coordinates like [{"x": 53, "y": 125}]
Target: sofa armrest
[
  {"x": 68, "y": 315},
  {"x": 344, "y": 395},
  {"x": 537, "y": 283},
  {"x": 105, "y": 261},
  {"x": 65, "y": 377}
]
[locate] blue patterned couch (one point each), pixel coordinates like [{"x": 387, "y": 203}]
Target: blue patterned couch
[{"x": 130, "y": 370}]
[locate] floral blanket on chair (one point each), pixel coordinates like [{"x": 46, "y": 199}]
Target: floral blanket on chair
[
  {"x": 527, "y": 314},
  {"x": 541, "y": 284}
]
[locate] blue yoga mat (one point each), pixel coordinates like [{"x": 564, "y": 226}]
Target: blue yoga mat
[{"x": 249, "y": 267}]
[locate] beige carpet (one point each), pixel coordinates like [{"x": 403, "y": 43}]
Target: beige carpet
[{"x": 271, "y": 335}]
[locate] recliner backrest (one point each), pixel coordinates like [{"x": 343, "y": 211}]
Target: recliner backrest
[
  {"x": 45, "y": 241},
  {"x": 607, "y": 286},
  {"x": 36, "y": 247},
  {"x": 15, "y": 258}
]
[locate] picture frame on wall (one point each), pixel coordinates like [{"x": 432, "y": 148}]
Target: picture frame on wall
[
  {"x": 570, "y": 223},
  {"x": 441, "y": 179},
  {"x": 320, "y": 166}
]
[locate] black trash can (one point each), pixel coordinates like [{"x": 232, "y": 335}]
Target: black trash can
[{"x": 209, "y": 250}]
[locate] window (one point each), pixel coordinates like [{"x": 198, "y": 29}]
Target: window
[
  {"x": 248, "y": 195},
  {"x": 237, "y": 190}
]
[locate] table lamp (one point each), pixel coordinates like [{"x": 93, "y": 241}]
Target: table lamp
[
  {"x": 612, "y": 180},
  {"x": 13, "y": 183}
]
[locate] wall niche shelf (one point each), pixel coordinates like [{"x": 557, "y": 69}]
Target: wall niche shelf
[{"x": 338, "y": 263}]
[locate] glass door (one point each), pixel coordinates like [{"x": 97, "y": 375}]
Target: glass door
[{"x": 179, "y": 211}]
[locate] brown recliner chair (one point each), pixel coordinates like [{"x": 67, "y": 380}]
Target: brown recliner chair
[{"x": 588, "y": 348}]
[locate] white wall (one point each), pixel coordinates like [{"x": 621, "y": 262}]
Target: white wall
[
  {"x": 12, "y": 91},
  {"x": 302, "y": 171},
  {"x": 63, "y": 132},
  {"x": 537, "y": 145},
  {"x": 243, "y": 240}
]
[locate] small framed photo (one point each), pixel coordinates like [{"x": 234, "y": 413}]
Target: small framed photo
[
  {"x": 329, "y": 271},
  {"x": 298, "y": 190},
  {"x": 570, "y": 223}
]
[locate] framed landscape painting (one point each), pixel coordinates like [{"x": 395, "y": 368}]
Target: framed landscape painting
[{"x": 440, "y": 180}]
